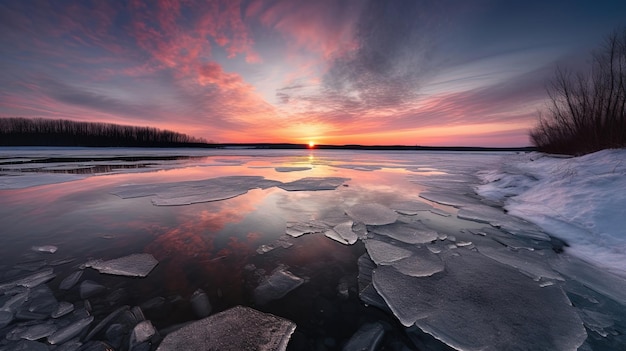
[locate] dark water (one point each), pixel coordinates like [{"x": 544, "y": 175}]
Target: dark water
[
  {"x": 209, "y": 246},
  {"x": 213, "y": 246}
]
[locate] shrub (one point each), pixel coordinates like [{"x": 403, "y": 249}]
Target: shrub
[{"x": 587, "y": 110}]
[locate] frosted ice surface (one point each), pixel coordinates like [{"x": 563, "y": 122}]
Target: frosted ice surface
[
  {"x": 314, "y": 184},
  {"x": 45, "y": 248},
  {"x": 185, "y": 193},
  {"x": 474, "y": 298},
  {"x": 422, "y": 263},
  {"x": 410, "y": 208},
  {"x": 296, "y": 229},
  {"x": 372, "y": 214},
  {"x": 410, "y": 233},
  {"x": 366, "y": 338},
  {"x": 135, "y": 265},
  {"x": 342, "y": 233},
  {"x": 277, "y": 285},
  {"x": 291, "y": 169},
  {"x": 596, "y": 321},
  {"x": 385, "y": 253},
  {"x": 62, "y": 335},
  {"x": 529, "y": 262},
  {"x": 239, "y": 328}
]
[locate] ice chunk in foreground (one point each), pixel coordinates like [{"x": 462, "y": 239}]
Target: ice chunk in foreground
[
  {"x": 343, "y": 233},
  {"x": 277, "y": 285},
  {"x": 239, "y": 328},
  {"x": 385, "y": 253},
  {"x": 314, "y": 184},
  {"x": 136, "y": 265},
  {"x": 481, "y": 304},
  {"x": 372, "y": 214}
]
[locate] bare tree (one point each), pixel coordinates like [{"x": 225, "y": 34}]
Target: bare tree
[{"x": 587, "y": 110}]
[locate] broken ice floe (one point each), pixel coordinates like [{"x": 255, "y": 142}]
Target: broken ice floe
[
  {"x": 71, "y": 280},
  {"x": 372, "y": 214},
  {"x": 342, "y": 233},
  {"x": 45, "y": 248},
  {"x": 492, "y": 297},
  {"x": 276, "y": 286},
  {"x": 282, "y": 242},
  {"x": 296, "y": 229},
  {"x": 70, "y": 331},
  {"x": 385, "y": 253},
  {"x": 226, "y": 331},
  {"x": 136, "y": 265},
  {"x": 313, "y": 184},
  {"x": 220, "y": 188},
  {"x": 185, "y": 193},
  {"x": 410, "y": 233}
]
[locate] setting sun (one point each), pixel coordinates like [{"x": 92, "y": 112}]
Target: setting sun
[{"x": 311, "y": 144}]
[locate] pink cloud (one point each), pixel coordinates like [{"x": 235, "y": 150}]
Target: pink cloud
[{"x": 324, "y": 27}]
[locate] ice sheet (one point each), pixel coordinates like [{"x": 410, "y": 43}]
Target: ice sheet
[{"x": 494, "y": 306}]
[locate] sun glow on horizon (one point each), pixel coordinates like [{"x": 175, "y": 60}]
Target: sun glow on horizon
[{"x": 311, "y": 144}]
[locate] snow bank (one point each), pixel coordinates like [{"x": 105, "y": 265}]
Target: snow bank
[{"x": 581, "y": 200}]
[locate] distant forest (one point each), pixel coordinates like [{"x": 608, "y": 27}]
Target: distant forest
[{"x": 46, "y": 132}]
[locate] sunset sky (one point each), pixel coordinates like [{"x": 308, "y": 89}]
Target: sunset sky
[{"x": 407, "y": 72}]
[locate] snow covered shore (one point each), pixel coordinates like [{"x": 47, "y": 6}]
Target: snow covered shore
[{"x": 581, "y": 200}]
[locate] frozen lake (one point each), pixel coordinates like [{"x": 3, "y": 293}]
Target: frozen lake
[{"x": 391, "y": 250}]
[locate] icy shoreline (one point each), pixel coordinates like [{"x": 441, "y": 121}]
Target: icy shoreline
[{"x": 580, "y": 200}]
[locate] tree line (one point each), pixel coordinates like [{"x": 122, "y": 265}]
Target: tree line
[
  {"x": 60, "y": 132},
  {"x": 587, "y": 110}
]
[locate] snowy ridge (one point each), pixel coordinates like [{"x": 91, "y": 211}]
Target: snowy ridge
[{"x": 580, "y": 200}]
